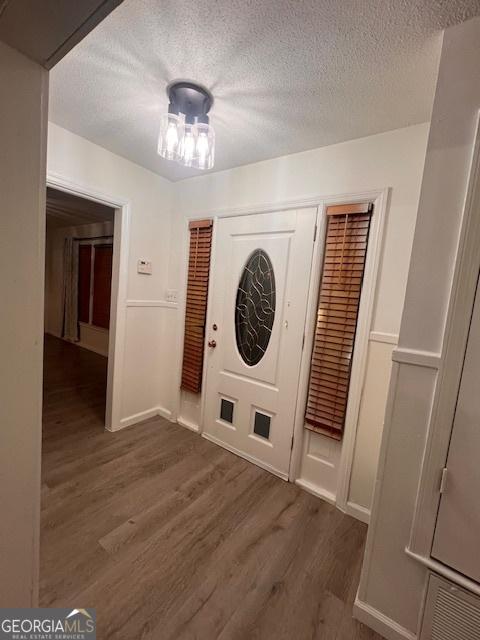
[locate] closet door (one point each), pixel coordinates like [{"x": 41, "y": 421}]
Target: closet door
[{"x": 457, "y": 534}]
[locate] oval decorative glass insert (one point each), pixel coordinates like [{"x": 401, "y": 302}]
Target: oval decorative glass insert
[{"x": 255, "y": 308}]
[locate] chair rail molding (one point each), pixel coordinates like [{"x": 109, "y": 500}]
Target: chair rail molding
[
  {"x": 417, "y": 357},
  {"x": 164, "y": 304},
  {"x": 385, "y": 338}
]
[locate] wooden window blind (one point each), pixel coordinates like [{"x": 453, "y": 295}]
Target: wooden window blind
[
  {"x": 196, "y": 304},
  {"x": 339, "y": 299}
]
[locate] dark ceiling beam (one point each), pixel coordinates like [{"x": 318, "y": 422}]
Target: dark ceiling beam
[{"x": 46, "y": 30}]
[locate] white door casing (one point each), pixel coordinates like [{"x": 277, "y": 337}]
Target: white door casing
[
  {"x": 457, "y": 529},
  {"x": 267, "y": 390}
]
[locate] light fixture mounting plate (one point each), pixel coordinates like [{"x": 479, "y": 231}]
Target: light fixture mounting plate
[{"x": 190, "y": 98}]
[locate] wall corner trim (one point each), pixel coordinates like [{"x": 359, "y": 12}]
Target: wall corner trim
[{"x": 379, "y": 622}]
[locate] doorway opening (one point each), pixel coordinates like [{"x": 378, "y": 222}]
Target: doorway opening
[{"x": 78, "y": 294}]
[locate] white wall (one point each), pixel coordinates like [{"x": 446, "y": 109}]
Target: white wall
[
  {"x": 370, "y": 422},
  {"x": 394, "y": 159},
  {"x": 146, "y": 373},
  {"x": 392, "y": 584},
  {"x": 23, "y": 119},
  {"x": 93, "y": 338}
]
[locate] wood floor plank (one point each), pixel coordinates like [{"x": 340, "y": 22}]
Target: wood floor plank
[{"x": 170, "y": 537}]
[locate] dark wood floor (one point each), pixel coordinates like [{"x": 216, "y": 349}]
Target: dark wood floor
[{"x": 170, "y": 537}]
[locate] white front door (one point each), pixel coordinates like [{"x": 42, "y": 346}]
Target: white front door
[{"x": 260, "y": 281}]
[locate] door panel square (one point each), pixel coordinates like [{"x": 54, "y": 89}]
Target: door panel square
[
  {"x": 261, "y": 425},
  {"x": 226, "y": 410}
]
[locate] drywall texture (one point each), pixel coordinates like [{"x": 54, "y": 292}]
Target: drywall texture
[
  {"x": 392, "y": 584},
  {"x": 146, "y": 377},
  {"x": 23, "y": 120},
  {"x": 394, "y": 159}
]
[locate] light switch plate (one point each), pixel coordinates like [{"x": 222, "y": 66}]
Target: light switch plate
[
  {"x": 145, "y": 267},
  {"x": 171, "y": 295}
]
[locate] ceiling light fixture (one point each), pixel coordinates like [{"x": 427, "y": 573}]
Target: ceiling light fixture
[{"x": 185, "y": 133}]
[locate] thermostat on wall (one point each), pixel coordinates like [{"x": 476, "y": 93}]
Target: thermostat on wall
[{"x": 144, "y": 266}]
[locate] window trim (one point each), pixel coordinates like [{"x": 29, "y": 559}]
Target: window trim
[
  {"x": 338, "y": 335},
  {"x": 380, "y": 200},
  {"x": 104, "y": 241},
  {"x": 192, "y": 373}
]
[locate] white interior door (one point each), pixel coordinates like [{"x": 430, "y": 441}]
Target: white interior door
[
  {"x": 457, "y": 532},
  {"x": 260, "y": 282}
]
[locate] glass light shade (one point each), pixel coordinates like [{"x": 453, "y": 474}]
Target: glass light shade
[
  {"x": 205, "y": 146},
  {"x": 188, "y": 145},
  {"x": 170, "y": 137}
]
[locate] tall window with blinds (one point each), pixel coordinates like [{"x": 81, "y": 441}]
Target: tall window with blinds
[
  {"x": 95, "y": 261},
  {"x": 196, "y": 304},
  {"x": 345, "y": 253}
]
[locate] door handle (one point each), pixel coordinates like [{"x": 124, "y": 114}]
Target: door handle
[{"x": 212, "y": 344}]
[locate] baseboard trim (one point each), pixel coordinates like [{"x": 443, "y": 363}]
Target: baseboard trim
[
  {"x": 143, "y": 415},
  {"x": 165, "y": 413},
  {"x": 259, "y": 463},
  {"x": 380, "y": 623},
  {"x": 49, "y": 332},
  {"x": 316, "y": 491},
  {"x": 79, "y": 343},
  {"x": 85, "y": 345},
  {"x": 136, "y": 417},
  {"x": 183, "y": 422},
  {"x": 358, "y": 511}
]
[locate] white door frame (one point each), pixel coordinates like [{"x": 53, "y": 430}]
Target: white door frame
[
  {"x": 380, "y": 199},
  {"x": 364, "y": 327},
  {"x": 450, "y": 365},
  {"x": 121, "y": 236}
]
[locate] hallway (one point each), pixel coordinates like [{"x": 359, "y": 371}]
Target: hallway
[{"x": 169, "y": 536}]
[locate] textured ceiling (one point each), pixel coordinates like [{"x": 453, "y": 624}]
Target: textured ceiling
[
  {"x": 287, "y": 75},
  {"x": 66, "y": 210}
]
